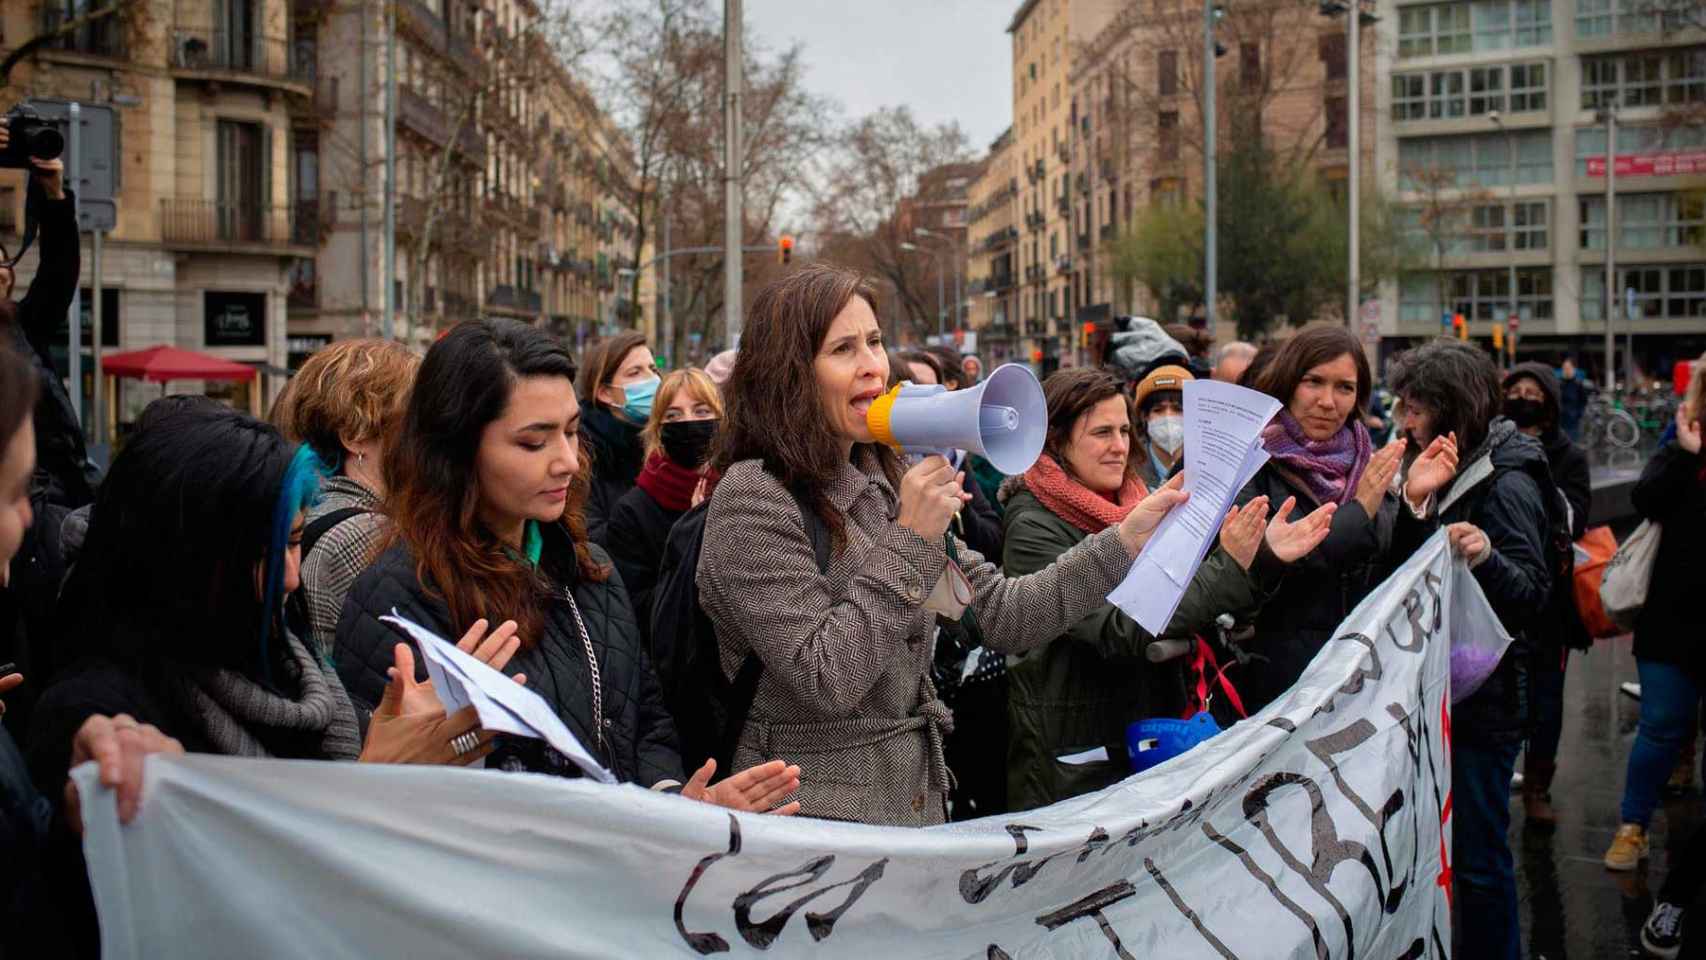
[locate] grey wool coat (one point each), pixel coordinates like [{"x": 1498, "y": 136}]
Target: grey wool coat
[{"x": 846, "y": 692}]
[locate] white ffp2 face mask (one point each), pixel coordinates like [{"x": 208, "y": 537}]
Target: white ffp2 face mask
[{"x": 1168, "y": 433}]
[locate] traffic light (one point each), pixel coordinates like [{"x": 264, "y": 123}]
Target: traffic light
[
  {"x": 785, "y": 249},
  {"x": 1461, "y": 326},
  {"x": 1036, "y": 356},
  {"x": 1089, "y": 331},
  {"x": 1499, "y": 337}
]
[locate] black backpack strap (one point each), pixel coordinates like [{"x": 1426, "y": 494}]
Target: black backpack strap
[{"x": 323, "y": 525}]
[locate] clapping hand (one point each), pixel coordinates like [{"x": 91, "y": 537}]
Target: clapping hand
[
  {"x": 1292, "y": 541},
  {"x": 1687, "y": 430},
  {"x": 1241, "y": 532},
  {"x": 1432, "y": 470},
  {"x": 756, "y": 789},
  {"x": 1377, "y": 476}
]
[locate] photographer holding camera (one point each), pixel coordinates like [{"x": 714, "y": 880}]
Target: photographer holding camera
[{"x": 64, "y": 479}]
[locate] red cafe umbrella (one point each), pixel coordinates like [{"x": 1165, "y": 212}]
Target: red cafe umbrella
[{"x": 164, "y": 363}]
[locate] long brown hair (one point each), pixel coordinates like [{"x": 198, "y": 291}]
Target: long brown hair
[
  {"x": 602, "y": 360},
  {"x": 775, "y": 377},
  {"x": 1073, "y": 392},
  {"x": 433, "y": 487},
  {"x": 1308, "y": 350}
]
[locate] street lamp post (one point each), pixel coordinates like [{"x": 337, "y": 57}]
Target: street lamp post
[
  {"x": 1210, "y": 15},
  {"x": 1609, "y": 114},
  {"x": 959, "y": 258},
  {"x": 1510, "y": 220},
  {"x": 1354, "y": 17},
  {"x": 941, "y": 315}
]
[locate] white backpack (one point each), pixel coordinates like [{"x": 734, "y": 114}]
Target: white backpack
[{"x": 1623, "y": 591}]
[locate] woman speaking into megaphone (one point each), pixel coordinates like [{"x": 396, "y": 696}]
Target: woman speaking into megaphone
[{"x": 845, "y": 692}]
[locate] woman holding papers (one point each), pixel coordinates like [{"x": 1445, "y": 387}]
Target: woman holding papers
[
  {"x": 1320, "y": 454},
  {"x": 1079, "y": 691},
  {"x": 177, "y": 635},
  {"x": 487, "y": 486},
  {"x": 845, "y": 691}
]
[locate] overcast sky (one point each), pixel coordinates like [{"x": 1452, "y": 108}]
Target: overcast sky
[{"x": 946, "y": 59}]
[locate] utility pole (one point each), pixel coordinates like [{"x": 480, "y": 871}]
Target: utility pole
[
  {"x": 668, "y": 317},
  {"x": 1353, "y": 302},
  {"x": 1610, "y": 115},
  {"x": 732, "y": 212},
  {"x": 68, "y": 178},
  {"x": 390, "y": 166},
  {"x": 1208, "y": 98},
  {"x": 362, "y": 90}
]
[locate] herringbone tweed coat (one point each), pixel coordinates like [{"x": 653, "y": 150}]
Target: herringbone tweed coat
[{"x": 846, "y": 692}]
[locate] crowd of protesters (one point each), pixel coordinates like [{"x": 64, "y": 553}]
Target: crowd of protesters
[{"x": 919, "y": 638}]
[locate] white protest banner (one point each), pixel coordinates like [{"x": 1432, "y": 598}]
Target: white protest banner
[{"x": 1316, "y": 828}]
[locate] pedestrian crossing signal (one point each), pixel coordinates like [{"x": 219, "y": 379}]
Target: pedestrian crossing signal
[
  {"x": 1461, "y": 326},
  {"x": 785, "y": 250}
]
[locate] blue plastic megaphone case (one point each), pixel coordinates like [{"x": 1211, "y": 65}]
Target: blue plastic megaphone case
[{"x": 1159, "y": 739}]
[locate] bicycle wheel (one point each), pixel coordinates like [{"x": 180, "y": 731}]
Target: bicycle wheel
[{"x": 1621, "y": 430}]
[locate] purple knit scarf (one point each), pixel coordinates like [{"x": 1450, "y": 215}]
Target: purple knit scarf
[{"x": 1329, "y": 468}]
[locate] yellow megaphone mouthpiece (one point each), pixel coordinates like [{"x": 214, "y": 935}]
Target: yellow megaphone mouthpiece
[{"x": 877, "y": 418}]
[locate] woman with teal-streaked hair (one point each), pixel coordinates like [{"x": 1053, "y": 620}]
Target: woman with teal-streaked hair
[{"x": 176, "y": 635}]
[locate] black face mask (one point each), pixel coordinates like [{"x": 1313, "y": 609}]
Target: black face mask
[
  {"x": 1525, "y": 412},
  {"x": 688, "y": 442}
]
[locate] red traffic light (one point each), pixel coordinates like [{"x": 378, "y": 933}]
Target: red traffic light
[{"x": 785, "y": 249}]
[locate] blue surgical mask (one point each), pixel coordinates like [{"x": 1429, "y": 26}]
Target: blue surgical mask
[{"x": 637, "y": 399}]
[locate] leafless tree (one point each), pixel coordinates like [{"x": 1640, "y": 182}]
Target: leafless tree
[{"x": 131, "y": 16}]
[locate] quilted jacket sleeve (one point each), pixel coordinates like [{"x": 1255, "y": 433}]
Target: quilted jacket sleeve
[{"x": 364, "y": 645}]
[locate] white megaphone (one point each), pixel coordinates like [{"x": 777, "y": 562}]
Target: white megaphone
[{"x": 1004, "y": 419}]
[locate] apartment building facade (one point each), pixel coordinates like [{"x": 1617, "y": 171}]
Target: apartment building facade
[
  {"x": 1137, "y": 123},
  {"x": 992, "y": 239},
  {"x": 1047, "y": 36},
  {"x": 251, "y": 181},
  {"x": 1494, "y": 119}
]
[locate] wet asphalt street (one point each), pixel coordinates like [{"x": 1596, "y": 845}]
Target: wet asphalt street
[{"x": 1571, "y": 905}]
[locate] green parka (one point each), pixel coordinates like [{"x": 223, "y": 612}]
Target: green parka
[{"x": 1079, "y": 691}]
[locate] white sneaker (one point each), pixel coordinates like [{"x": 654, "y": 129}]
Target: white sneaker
[
  {"x": 1630, "y": 687},
  {"x": 1661, "y": 935}
]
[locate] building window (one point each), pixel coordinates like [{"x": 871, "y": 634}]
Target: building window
[
  {"x": 1486, "y": 90},
  {"x": 1476, "y": 160},
  {"x": 1250, "y": 65},
  {"x": 1338, "y": 131},
  {"x": 1528, "y": 226},
  {"x": 1527, "y": 87},
  {"x": 1167, "y": 135},
  {"x": 1331, "y": 48},
  {"x": 1479, "y": 295},
  {"x": 1661, "y": 292},
  {"x": 1487, "y": 229},
  {"x": 1646, "y": 221},
  {"x": 1644, "y": 79},
  {"x": 1653, "y": 140},
  {"x": 1475, "y": 91},
  {"x": 1425, "y": 31},
  {"x": 1603, "y": 18},
  {"x": 1167, "y": 73}
]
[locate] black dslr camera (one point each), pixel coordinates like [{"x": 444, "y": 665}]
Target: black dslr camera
[{"x": 32, "y": 138}]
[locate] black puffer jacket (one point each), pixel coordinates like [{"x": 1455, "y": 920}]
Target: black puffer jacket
[
  {"x": 1672, "y": 493},
  {"x": 1505, "y": 488},
  {"x": 1562, "y": 625},
  {"x": 617, "y": 456},
  {"x": 64, "y": 479},
  {"x": 637, "y": 530},
  {"x": 1317, "y": 592},
  {"x": 639, "y": 736}
]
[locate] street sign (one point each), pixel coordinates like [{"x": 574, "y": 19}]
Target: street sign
[{"x": 1516, "y": 323}]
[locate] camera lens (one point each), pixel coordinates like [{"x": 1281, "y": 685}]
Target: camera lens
[{"x": 44, "y": 143}]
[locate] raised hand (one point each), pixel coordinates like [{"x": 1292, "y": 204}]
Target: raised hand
[
  {"x": 119, "y": 745},
  {"x": 930, "y": 495},
  {"x": 1147, "y": 515},
  {"x": 1377, "y": 476},
  {"x": 493, "y": 650},
  {"x": 1293, "y": 541},
  {"x": 756, "y": 789},
  {"x": 1433, "y": 470},
  {"x": 1687, "y": 430},
  {"x": 410, "y": 725},
  {"x": 1241, "y": 531}
]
